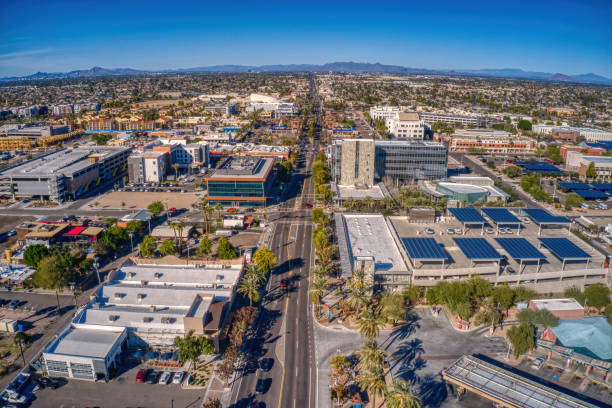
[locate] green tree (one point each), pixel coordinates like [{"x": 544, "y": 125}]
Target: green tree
[
  {"x": 320, "y": 218},
  {"x": 412, "y": 293},
  {"x": 573, "y": 200},
  {"x": 205, "y": 246},
  {"x": 249, "y": 287},
  {"x": 192, "y": 347},
  {"x": 524, "y": 124},
  {"x": 34, "y": 254},
  {"x": 50, "y": 274},
  {"x": 225, "y": 250},
  {"x": 513, "y": 171},
  {"x": 264, "y": 259},
  {"x": 402, "y": 396},
  {"x": 574, "y": 292},
  {"x": 156, "y": 208},
  {"x": 320, "y": 238},
  {"x": 167, "y": 247},
  {"x": 591, "y": 171},
  {"x": 521, "y": 338},
  {"x": 371, "y": 356},
  {"x": 491, "y": 164},
  {"x": 543, "y": 317},
  {"x": 393, "y": 307},
  {"x": 134, "y": 226},
  {"x": 373, "y": 380},
  {"x": 503, "y": 295},
  {"x": 147, "y": 246},
  {"x": 597, "y": 295}
]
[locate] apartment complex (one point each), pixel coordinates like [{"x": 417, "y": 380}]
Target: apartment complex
[
  {"x": 241, "y": 181},
  {"x": 194, "y": 155},
  {"x": 590, "y": 134},
  {"x": 487, "y": 141},
  {"x": 65, "y": 173},
  {"x": 399, "y": 160},
  {"x": 406, "y": 125},
  {"x": 222, "y": 107},
  {"x": 277, "y": 109}
]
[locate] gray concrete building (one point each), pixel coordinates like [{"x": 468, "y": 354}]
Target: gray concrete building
[
  {"x": 65, "y": 173},
  {"x": 357, "y": 162}
]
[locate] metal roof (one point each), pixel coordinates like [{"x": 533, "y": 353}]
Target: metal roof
[{"x": 544, "y": 217}]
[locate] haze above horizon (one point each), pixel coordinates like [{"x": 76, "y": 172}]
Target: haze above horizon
[{"x": 69, "y": 35}]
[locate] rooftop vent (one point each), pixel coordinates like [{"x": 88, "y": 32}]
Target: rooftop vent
[
  {"x": 158, "y": 275},
  {"x": 141, "y": 296},
  {"x": 131, "y": 274},
  {"x": 119, "y": 295},
  {"x": 147, "y": 319},
  {"x": 219, "y": 278},
  {"x": 167, "y": 320},
  {"x": 112, "y": 318},
  {"x": 143, "y": 283},
  {"x": 152, "y": 308}
]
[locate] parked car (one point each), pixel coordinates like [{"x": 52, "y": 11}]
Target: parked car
[
  {"x": 537, "y": 363},
  {"x": 429, "y": 231},
  {"x": 164, "y": 378},
  {"x": 12, "y": 233},
  {"x": 450, "y": 230},
  {"x": 14, "y": 303},
  {"x": 140, "y": 376},
  {"x": 178, "y": 377},
  {"x": 510, "y": 269},
  {"x": 489, "y": 230},
  {"x": 284, "y": 283},
  {"x": 262, "y": 386},
  {"x": 151, "y": 377},
  {"x": 266, "y": 364}
]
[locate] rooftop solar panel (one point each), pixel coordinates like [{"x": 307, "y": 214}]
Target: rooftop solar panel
[
  {"x": 543, "y": 217},
  {"x": 467, "y": 215},
  {"x": 591, "y": 194},
  {"x": 575, "y": 186},
  {"x": 500, "y": 215},
  {"x": 602, "y": 186},
  {"x": 423, "y": 249},
  {"x": 477, "y": 248},
  {"x": 520, "y": 248},
  {"x": 542, "y": 167},
  {"x": 563, "y": 248}
]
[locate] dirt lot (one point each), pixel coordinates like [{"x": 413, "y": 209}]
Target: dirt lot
[
  {"x": 141, "y": 200},
  {"x": 8, "y": 223}
]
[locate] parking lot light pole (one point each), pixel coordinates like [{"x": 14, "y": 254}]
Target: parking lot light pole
[
  {"x": 96, "y": 265},
  {"x": 131, "y": 234}
]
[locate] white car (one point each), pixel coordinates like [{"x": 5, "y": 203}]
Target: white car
[
  {"x": 489, "y": 230},
  {"x": 178, "y": 377},
  {"x": 164, "y": 378},
  {"x": 537, "y": 363},
  {"x": 450, "y": 230}
]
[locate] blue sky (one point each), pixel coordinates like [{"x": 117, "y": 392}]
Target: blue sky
[{"x": 560, "y": 36}]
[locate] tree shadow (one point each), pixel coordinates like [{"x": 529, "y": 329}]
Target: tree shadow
[
  {"x": 243, "y": 402},
  {"x": 432, "y": 390},
  {"x": 407, "y": 357},
  {"x": 404, "y": 331}
]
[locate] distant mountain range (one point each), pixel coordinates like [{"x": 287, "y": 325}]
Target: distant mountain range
[{"x": 341, "y": 67}]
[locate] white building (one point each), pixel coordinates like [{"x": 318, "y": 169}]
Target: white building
[
  {"x": 590, "y": 134},
  {"x": 406, "y": 125},
  {"x": 384, "y": 112},
  {"x": 147, "y": 167}
]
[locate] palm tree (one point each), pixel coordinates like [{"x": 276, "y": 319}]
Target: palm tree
[
  {"x": 371, "y": 356},
  {"x": 318, "y": 286},
  {"x": 401, "y": 396},
  {"x": 219, "y": 208},
  {"x": 370, "y": 321},
  {"x": 175, "y": 166},
  {"x": 374, "y": 382},
  {"x": 249, "y": 287}
]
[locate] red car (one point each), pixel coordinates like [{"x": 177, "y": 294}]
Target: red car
[
  {"x": 284, "y": 282},
  {"x": 172, "y": 209},
  {"x": 140, "y": 377},
  {"x": 231, "y": 209},
  {"x": 308, "y": 205}
]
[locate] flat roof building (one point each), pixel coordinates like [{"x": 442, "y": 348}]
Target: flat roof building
[
  {"x": 561, "y": 308},
  {"x": 241, "y": 181},
  {"x": 65, "y": 173}
]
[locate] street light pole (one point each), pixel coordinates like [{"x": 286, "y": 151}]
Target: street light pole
[
  {"x": 131, "y": 234},
  {"x": 96, "y": 265}
]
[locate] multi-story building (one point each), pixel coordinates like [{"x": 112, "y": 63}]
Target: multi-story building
[
  {"x": 147, "y": 303},
  {"x": 62, "y": 110},
  {"x": 148, "y": 167},
  {"x": 406, "y": 125},
  {"x": 241, "y": 181},
  {"x": 34, "y": 132},
  {"x": 384, "y": 112},
  {"x": 399, "y": 160},
  {"x": 580, "y": 163},
  {"x": 590, "y": 134},
  {"x": 278, "y": 109},
  {"x": 65, "y": 173},
  {"x": 487, "y": 141},
  {"x": 187, "y": 156},
  {"x": 463, "y": 120},
  {"x": 587, "y": 150},
  {"x": 220, "y": 106}
]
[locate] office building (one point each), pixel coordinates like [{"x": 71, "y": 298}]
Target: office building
[
  {"x": 397, "y": 160},
  {"x": 65, "y": 173},
  {"x": 148, "y": 167},
  {"x": 241, "y": 181},
  {"x": 277, "y": 109},
  {"x": 187, "y": 156},
  {"x": 582, "y": 148},
  {"x": 590, "y": 134},
  {"x": 34, "y": 132},
  {"x": 487, "y": 141},
  {"x": 220, "y": 106},
  {"x": 384, "y": 112},
  {"x": 463, "y": 120},
  {"x": 147, "y": 303},
  {"x": 357, "y": 162},
  {"x": 406, "y": 125}
]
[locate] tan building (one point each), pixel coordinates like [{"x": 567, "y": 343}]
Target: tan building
[
  {"x": 357, "y": 164},
  {"x": 487, "y": 141}
]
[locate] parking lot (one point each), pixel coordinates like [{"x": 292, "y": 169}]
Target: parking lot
[
  {"x": 122, "y": 391},
  {"x": 572, "y": 377}
]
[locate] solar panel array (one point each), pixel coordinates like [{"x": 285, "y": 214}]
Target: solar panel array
[
  {"x": 602, "y": 186},
  {"x": 575, "y": 186},
  {"x": 538, "y": 167},
  {"x": 591, "y": 194},
  {"x": 467, "y": 215},
  {"x": 564, "y": 249},
  {"x": 544, "y": 217},
  {"x": 423, "y": 248},
  {"x": 500, "y": 215},
  {"x": 520, "y": 248},
  {"x": 477, "y": 248},
  {"x": 590, "y": 191}
]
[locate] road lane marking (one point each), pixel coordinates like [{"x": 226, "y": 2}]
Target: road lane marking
[{"x": 280, "y": 398}]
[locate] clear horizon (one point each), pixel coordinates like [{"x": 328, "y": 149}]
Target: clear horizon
[{"x": 62, "y": 36}]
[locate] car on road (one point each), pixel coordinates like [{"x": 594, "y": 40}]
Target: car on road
[
  {"x": 266, "y": 364},
  {"x": 140, "y": 376},
  {"x": 178, "y": 377},
  {"x": 151, "y": 377},
  {"x": 537, "y": 363},
  {"x": 284, "y": 283},
  {"x": 262, "y": 385},
  {"x": 11, "y": 233},
  {"x": 308, "y": 205},
  {"x": 430, "y": 231},
  {"x": 164, "y": 378},
  {"x": 14, "y": 303},
  {"x": 256, "y": 404},
  {"x": 450, "y": 231}
]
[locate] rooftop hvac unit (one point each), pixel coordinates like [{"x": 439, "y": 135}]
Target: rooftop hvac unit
[
  {"x": 147, "y": 319},
  {"x": 131, "y": 274},
  {"x": 143, "y": 283},
  {"x": 141, "y": 296},
  {"x": 119, "y": 295},
  {"x": 112, "y": 318},
  {"x": 152, "y": 308},
  {"x": 158, "y": 275},
  {"x": 219, "y": 278}
]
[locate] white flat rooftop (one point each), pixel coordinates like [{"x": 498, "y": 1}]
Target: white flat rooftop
[
  {"x": 83, "y": 342},
  {"x": 369, "y": 236},
  {"x": 159, "y": 296},
  {"x": 130, "y": 316},
  {"x": 557, "y": 304},
  {"x": 347, "y": 192},
  {"x": 178, "y": 275}
]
